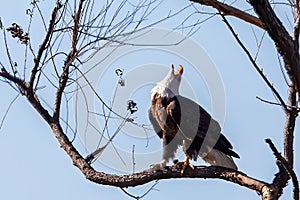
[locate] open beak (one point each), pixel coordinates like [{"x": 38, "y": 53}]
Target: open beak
[{"x": 180, "y": 69}]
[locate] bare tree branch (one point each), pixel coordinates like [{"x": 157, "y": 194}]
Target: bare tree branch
[
  {"x": 142, "y": 196},
  {"x": 225, "y": 9},
  {"x": 290, "y": 126},
  {"x": 291, "y": 111},
  {"x": 26, "y": 91},
  {"x": 297, "y": 23},
  {"x": 7, "y": 110},
  {"x": 20, "y": 83},
  {"x": 82, "y": 26},
  {"x": 285, "y": 44},
  {"x": 69, "y": 61},
  {"x": 283, "y": 163},
  {"x": 257, "y": 68},
  {"x": 44, "y": 44},
  {"x": 150, "y": 175}
]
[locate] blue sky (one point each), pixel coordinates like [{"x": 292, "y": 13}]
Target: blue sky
[{"x": 34, "y": 166}]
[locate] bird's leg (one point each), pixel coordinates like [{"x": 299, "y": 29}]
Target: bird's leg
[{"x": 185, "y": 164}]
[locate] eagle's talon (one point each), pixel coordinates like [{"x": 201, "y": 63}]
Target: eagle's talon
[{"x": 185, "y": 165}]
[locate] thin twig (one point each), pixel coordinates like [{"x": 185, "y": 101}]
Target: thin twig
[
  {"x": 94, "y": 156},
  {"x": 268, "y": 102},
  {"x": 140, "y": 197},
  {"x": 276, "y": 104},
  {"x": 150, "y": 189},
  {"x": 11, "y": 63},
  {"x": 133, "y": 159},
  {"x": 7, "y": 110},
  {"x": 282, "y": 70},
  {"x": 130, "y": 195}
]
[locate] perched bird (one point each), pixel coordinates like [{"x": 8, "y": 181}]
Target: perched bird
[{"x": 179, "y": 121}]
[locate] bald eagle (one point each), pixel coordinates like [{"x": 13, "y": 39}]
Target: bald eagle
[{"x": 179, "y": 121}]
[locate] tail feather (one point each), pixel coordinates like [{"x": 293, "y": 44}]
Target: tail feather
[{"x": 218, "y": 158}]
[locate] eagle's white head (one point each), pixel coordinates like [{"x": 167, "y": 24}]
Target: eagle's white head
[{"x": 169, "y": 86}]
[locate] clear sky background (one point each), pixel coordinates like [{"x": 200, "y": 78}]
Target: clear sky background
[{"x": 33, "y": 166}]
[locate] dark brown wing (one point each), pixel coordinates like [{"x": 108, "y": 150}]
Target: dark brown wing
[{"x": 200, "y": 131}]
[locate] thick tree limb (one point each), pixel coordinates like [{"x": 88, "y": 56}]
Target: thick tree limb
[
  {"x": 288, "y": 48},
  {"x": 149, "y": 175},
  {"x": 281, "y": 178},
  {"x": 285, "y": 44},
  {"x": 269, "y": 21},
  {"x": 290, "y": 126},
  {"x": 146, "y": 176},
  {"x": 225, "y": 9},
  {"x": 142, "y": 177}
]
